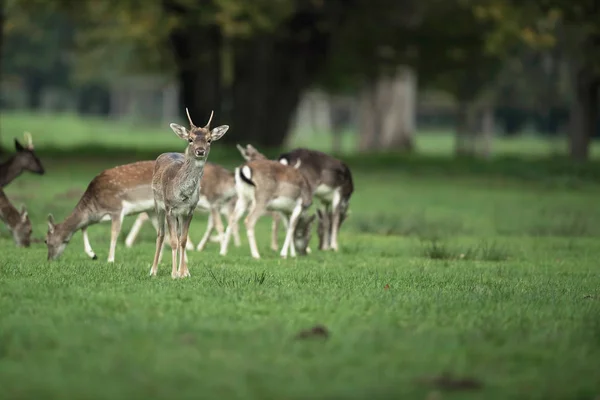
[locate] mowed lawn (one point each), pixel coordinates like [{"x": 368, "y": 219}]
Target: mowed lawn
[{"x": 492, "y": 280}]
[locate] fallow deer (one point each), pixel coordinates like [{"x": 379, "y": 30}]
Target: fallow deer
[
  {"x": 250, "y": 153},
  {"x": 267, "y": 185},
  {"x": 217, "y": 196},
  {"x": 175, "y": 182},
  {"x": 111, "y": 195},
  {"x": 17, "y": 221},
  {"x": 324, "y": 227},
  {"x": 332, "y": 181},
  {"x": 24, "y": 159}
]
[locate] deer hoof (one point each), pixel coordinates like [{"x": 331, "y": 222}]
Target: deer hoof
[{"x": 95, "y": 257}]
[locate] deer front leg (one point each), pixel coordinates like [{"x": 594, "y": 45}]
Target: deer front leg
[
  {"x": 117, "y": 220},
  {"x": 250, "y": 222},
  {"x": 274, "y": 231},
  {"x": 160, "y": 237},
  {"x": 335, "y": 219},
  {"x": 172, "y": 226},
  {"x": 209, "y": 228},
  {"x": 289, "y": 237},
  {"x": 240, "y": 208},
  {"x": 183, "y": 224},
  {"x": 135, "y": 229},
  {"x": 87, "y": 246}
]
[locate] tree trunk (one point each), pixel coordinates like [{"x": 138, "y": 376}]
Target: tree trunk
[
  {"x": 584, "y": 113},
  {"x": 465, "y": 129},
  {"x": 34, "y": 87},
  {"x": 197, "y": 55},
  {"x": 369, "y": 124},
  {"x": 487, "y": 132},
  {"x": 271, "y": 71}
]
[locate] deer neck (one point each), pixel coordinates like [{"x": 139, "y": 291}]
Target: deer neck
[
  {"x": 8, "y": 213},
  {"x": 190, "y": 174},
  {"x": 75, "y": 221},
  {"x": 9, "y": 170}
]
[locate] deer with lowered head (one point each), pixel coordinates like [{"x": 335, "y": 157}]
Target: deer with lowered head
[
  {"x": 17, "y": 221},
  {"x": 24, "y": 159},
  {"x": 175, "y": 185},
  {"x": 332, "y": 183},
  {"x": 217, "y": 196},
  {"x": 110, "y": 196},
  {"x": 266, "y": 185}
]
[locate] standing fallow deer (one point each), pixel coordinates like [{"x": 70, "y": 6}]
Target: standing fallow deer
[
  {"x": 332, "y": 181},
  {"x": 250, "y": 153},
  {"x": 24, "y": 159},
  {"x": 111, "y": 195},
  {"x": 217, "y": 196},
  {"x": 175, "y": 182},
  {"x": 17, "y": 221},
  {"x": 267, "y": 185}
]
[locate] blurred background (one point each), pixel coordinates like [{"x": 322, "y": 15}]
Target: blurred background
[{"x": 433, "y": 77}]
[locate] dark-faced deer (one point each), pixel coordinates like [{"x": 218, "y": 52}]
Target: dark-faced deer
[
  {"x": 111, "y": 195},
  {"x": 17, "y": 221},
  {"x": 267, "y": 185},
  {"x": 332, "y": 181},
  {"x": 24, "y": 159},
  {"x": 217, "y": 196},
  {"x": 175, "y": 182}
]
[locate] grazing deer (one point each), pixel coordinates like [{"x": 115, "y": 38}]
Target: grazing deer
[
  {"x": 175, "y": 182},
  {"x": 217, "y": 195},
  {"x": 17, "y": 221},
  {"x": 268, "y": 185},
  {"x": 250, "y": 153},
  {"x": 111, "y": 195},
  {"x": 24, "y": 160},
  {"x": 332, "y": 181}
]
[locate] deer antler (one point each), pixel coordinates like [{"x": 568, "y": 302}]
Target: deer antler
[
  {"x": 28, "y": 140},
  {"x": 189, "y": 118},
  {"x": 210, "y": 119}
]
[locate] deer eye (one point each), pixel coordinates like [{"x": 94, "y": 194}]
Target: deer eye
[{"x": 190, "y": 140}]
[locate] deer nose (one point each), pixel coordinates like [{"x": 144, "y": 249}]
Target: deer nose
[{"x": 200, "y": 152}]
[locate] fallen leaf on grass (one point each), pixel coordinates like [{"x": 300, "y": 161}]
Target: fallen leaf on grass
[
  {"x": 448, "y": 382},
  {"x": 317, "y": 331},
  {"x": 386, "y": 287}
]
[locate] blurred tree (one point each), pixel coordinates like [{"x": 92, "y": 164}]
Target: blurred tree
[{"x": 38, "y": 44}]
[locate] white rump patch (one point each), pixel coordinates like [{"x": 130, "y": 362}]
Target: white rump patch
[
  {"x": 284, "y": 161},
  {"x": 242, "y": 189},
  {"x": 138, "y": 206},
  {"x": 247, "y": 172}
]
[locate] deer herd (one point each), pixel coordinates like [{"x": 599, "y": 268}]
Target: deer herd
[{"x": 168, "y": 191}]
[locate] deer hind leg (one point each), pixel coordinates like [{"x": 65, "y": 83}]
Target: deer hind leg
[
  {"x": 183, "y": 228},
  {"x": 289, "y": 237},
  {"x": 209, "y": 228},
  {"x": 117, "y": 220},
  {"x": 160, "y": 237},
  {"x": 250, "y": 222},
  {"x": 335, "y": 219},
  {"x": 87, "y": 246},
  {"x": 135, "y": 229},
  {"x": 240, "y": 207},
  {"x": 275, "y": 231}
]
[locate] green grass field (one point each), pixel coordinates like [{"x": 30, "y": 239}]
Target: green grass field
[{"x": 484, "y": 270}]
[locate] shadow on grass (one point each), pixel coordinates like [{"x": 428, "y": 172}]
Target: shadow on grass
[{"x": 409, "y": 225}]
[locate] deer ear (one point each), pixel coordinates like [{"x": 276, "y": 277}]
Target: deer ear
[
  {"x": 19, "y": 146},
  {"x": 240, "y": 149},
  {"x": 51, "y": 224},
  {"x": 180, "y": 131},
  {"x": 218, "y": 132},
  {"x": 23, "y": 213}
]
